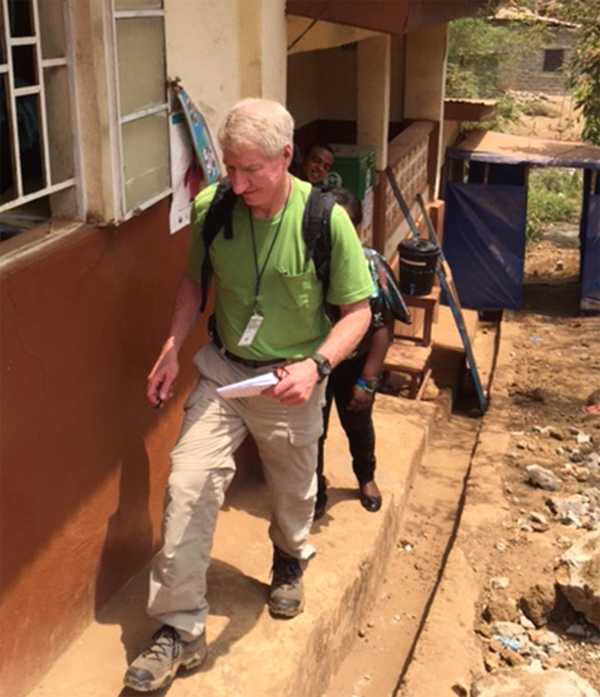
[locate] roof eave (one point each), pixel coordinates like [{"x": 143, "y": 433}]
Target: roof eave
[{"x": 386, "y": 16}]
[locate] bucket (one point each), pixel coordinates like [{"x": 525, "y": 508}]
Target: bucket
[{"x": 418, "y": 261}]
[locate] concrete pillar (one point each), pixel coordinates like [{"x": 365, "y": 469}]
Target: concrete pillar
[
  {"x": 397, "y": 77},
  {"x": 426, "y": 54},
  {"x": 263, "y": 49},
  {"x": 373, "y": 107}
]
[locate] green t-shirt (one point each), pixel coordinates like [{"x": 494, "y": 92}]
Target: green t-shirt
[{"x": 290, "y": 296}]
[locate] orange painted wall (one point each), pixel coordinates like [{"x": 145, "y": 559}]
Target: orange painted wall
[{"x": 83, "y": 457}]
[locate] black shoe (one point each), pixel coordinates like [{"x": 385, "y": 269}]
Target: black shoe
[
  {"x": 286, "y": 595},
  {"x": 370, "y": 502},
  {"x": 156, "y": 667}
]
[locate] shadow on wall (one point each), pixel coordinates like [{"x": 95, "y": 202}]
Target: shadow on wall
[{"x": 126, "y": 545}]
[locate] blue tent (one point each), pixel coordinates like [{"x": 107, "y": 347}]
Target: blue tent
[{"x": 486, "y": 215}]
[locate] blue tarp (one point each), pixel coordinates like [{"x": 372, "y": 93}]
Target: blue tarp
[
  {"x": 484, "y": 243},
  {"x": 590, "y": 268}
]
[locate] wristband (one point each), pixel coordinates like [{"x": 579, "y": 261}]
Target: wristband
[{"x": 363, "y": 385}]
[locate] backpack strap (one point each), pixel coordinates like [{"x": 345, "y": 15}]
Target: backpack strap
[
  {"x": 218, "y": 217},
  {"x": 317, "y": 233},
  {"x": 388, "y": 288}
]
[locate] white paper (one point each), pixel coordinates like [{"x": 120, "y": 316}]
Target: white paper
[
  {"x": 248, "y": 388},
  {"x": 183, "y": 180}
]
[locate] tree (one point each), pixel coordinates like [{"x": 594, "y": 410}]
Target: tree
[
  {"x": 584, "y": 66},
  {"x": 479, "y": 52},
  {"x": 476, "y": 50}
]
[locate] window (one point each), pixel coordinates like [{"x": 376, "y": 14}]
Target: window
[
  {"x": 554, "y": 59},
  {"x": 142, "y": 103},
  {"x": 122, "y": 124},
  {"x": 36, "y": 133}
]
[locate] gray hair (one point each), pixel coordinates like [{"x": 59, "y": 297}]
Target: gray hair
[{"x": 260, "y": 123}]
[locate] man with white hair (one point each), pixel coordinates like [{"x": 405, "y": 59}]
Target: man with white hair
[{"x": 270, "y": 316}]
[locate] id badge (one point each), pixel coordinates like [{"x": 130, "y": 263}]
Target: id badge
[{"x": 251, "y": 329}]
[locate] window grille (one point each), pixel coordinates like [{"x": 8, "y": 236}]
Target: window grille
[{"x": 36, "y": 136}]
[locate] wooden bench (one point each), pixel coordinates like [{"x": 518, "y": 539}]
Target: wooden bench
[
  {"x": 422, "y": 321},
  {"x": 410, "y": 353}
]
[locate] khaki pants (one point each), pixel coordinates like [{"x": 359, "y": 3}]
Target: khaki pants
[{"x": 202, "y": 467}]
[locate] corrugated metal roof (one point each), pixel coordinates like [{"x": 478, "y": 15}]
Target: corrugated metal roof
[
  {"x": 502, "y": 148},
  {"x": 522, "y": 14}
]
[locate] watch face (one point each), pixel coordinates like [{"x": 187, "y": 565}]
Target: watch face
[{"x": 323, "y": 365}]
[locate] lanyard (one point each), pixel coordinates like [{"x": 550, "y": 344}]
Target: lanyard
[{"x": 260, "y": 272}]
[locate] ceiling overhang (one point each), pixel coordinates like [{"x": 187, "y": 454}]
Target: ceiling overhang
[{"x": 387, "y": 16}]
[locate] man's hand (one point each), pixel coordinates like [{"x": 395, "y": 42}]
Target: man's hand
[
  {"x": 161, "y": 379},
  {"x": 296, "y": 383},
  {"x": 361, "y": 399}
]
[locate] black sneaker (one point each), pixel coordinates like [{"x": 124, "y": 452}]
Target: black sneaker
[
  {"x": 286, "y": 596},
  {"x": 156, "y": 667}
]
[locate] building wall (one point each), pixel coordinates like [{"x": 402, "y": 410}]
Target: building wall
[
  {"x": 322, "y": 85},
  {"x": 84, "y": 457},
  {"x": 225, "y": 50},
  {"x": 303, "y": 90},
  {"x": 425, "y": 87},
  {"x": 528, "y": 74},
  {"x": 398, "y": 78},
  {"x": 321, "y": 35}
]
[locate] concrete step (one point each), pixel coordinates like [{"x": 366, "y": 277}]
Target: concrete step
[{"x": 251, "y": 654}]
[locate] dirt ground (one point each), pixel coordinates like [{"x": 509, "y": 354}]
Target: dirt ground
[
  {"x": 553, "y": 117},
  {"x": 555, "y": 365}
]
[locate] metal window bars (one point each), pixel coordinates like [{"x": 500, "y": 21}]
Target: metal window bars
[{"x": 13, "y": 94}]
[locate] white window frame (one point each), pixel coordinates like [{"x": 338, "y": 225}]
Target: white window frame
[
  {"x": 124, "y": 15},
  {"x": 98, "y": 181},
  {"x": 13, "y": 93}
]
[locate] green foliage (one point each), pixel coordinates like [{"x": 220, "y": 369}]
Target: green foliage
[
  {"x": 554, "y": 197},
  {"x": 506, "y": 112},
  {"x": 584, "y": 66},
  {"x": 476, "y": 50}
]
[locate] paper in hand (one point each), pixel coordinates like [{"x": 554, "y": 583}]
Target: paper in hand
[{"x": 248, "y": 388}]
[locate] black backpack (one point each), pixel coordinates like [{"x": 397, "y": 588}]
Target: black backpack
[{"x": 315, "y": 228}]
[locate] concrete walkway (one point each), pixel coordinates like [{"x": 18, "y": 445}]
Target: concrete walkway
[{"x": 251, "y": 654}]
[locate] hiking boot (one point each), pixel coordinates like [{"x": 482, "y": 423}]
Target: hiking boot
[
  {"x": 158, "y": 664},
  {"x": 286, "y": 596}
]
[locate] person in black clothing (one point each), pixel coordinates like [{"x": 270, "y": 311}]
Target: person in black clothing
[{"x": 352, "y": 384}]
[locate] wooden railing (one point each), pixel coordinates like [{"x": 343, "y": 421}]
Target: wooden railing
[{"x": 410, "y": 157}]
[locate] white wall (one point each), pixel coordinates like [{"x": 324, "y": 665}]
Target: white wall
[
  {"x": 338, "y": 82},
  {"x": 303, "y": 87},
  {"x": 322, "y": 85},
  {"x": 321, "y": 35},
  {"x": 426, "y": 50},
  {"x": 224, "y": 50},
  {"x": 425, "y": 87},
  {"x": 398, "y": 77}
]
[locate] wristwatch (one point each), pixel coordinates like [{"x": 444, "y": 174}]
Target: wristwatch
[{"x": 323, "y": 366}]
